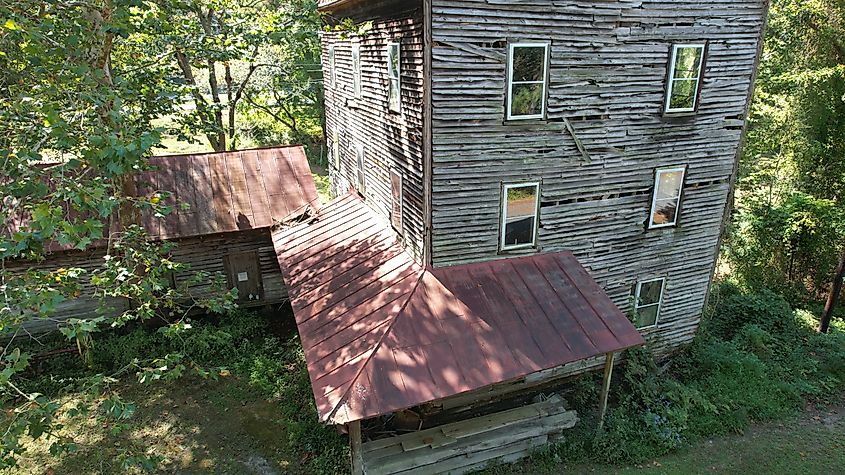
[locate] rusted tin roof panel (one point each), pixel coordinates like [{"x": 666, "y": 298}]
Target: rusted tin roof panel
[
  {"x": 228, "y": 191},
  {"x": 381, "y": 333},
  {"x": 222, "y": 192}
]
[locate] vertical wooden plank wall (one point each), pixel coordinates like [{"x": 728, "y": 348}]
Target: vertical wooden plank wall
[
  {"x": 608, "y": 73},
  {"x": 391, "y": 140}
]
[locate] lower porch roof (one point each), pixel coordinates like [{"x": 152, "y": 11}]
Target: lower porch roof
[{"x": 382, "y": 333}]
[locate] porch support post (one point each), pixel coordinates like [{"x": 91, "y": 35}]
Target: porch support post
[
  {"x": 357, "y": 453},
  {"x": 605, "y": 387}
]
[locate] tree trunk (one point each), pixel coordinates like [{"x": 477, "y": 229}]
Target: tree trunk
[{"x": 824, "y": 325}]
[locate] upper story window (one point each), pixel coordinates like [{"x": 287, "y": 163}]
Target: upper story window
[
  {"x": 684, "y": 78},
  {"x": 666, "y": 201},
  {"x": 332, "y": 68},
  {"x": 356, "y": 70},
  {"x": 396, "y": 200},
  {"x": 359, "y": 158},
  {"x": 527, "y": 80},
  {"x": 648, "y": 299},
  {"x": 520, "y": 210},
  {"x": 394, "y": 88}
]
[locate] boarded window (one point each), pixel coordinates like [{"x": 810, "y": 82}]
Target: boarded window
[
  {"x": 356, "y": 70},
  {"x": 527, "y": 76},
  {"x": 666, "y": 202},
  {"x": 647, "y": 302},
  {"x": 684, "y": 78},
  {"x": 520, "y": 206},
  {"x": 394, "y": 87},
  {"x": 243, "y": 271},
  {"x": 332, "y": 68},
  {"x": 396, "y": 205},
  {"x": 361, "y": 176},
  {"x": 336, "y": 149}
]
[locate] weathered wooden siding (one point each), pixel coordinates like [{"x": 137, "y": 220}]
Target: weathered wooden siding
[
  {"x": 202, "y": 254},
  {"x": 608, "y": 72},
  {"x": 391, "y": 140}
]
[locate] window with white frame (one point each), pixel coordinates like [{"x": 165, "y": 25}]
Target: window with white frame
[
  {"x": 394, "y": 87},
  {"x": 520, "y": 210},
  {"x": 359, "y": 158},
  {"x": 396, "y": 200},
  {"x": 684, "y": 78},
  {"x": 332, "y": 68},
  {"x": 648, "y": 299},
  {"x": 527, "y": 80},
  {"x": 356, "y": 70},
  {"x": 666, "y": 200}
]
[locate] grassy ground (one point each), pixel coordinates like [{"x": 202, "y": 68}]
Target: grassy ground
[
  {"x": 812, "y": 443},
  {"x": 195, "y": 426},
  {"x": 224, "y": 426}
]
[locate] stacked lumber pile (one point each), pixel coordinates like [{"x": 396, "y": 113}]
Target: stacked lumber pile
[{"x": 472, "y": 444}]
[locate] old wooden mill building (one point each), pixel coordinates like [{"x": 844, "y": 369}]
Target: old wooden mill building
[{"x": 510, "y": 175}]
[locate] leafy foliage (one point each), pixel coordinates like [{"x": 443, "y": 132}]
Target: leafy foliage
[
  {"x": 755, "y": 359},
  {"x": 788, "y": 228}
]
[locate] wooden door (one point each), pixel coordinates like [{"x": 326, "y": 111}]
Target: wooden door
[{"x": 243, "y": 270}]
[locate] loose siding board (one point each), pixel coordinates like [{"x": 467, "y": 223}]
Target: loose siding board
[
  {"x": 392, "y": 141},
  {"x": 608, "y": 68}
]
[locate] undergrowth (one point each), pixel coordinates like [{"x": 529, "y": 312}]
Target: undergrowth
[
  {"x": 754, "y": 359},
  {"x": 240, "y": 343}
]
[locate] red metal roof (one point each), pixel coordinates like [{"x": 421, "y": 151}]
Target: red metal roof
[
  {"x": 381, "y": 333},
  {"x": 229, "y": 191}
]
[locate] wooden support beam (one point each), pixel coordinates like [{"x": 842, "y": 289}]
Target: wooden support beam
[
  {"x": 355, "y": 444},
  {"x": 605, "y": 387}
]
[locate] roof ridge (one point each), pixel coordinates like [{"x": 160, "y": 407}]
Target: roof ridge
[{"x": 345, "y": 396}]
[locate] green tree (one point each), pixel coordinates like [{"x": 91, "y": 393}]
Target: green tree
[
  {"x": 788, "y": 227},
  {"x": 78, "y": 95}
]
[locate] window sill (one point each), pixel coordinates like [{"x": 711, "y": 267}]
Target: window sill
[
  {"x": 680, "y": 114},
  {"x": 526, "y": 122}
]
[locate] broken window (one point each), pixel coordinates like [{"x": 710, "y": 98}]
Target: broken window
[
  {"x": 396, "y": 198},
  {"x": 356, "y": 70},
  {"x": 648, "y": 299},
  {"x": 684, "y": 78},
  {"x": 394, "y": 91},
  {"x": 666, "y": 201},
  {"x": 527, "y": 76},
  {"x": 520, "y": 205}
]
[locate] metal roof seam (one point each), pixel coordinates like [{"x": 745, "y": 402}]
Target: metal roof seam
[
  {"x": 345, "y": 394},
  {"x": 589, "y": 302},
  {"x": 540, "y": 307},
  {"x": 584, "y": 330}
]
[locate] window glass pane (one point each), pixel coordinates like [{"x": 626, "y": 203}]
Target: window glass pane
[
  {"x": 683, "y": 94},
  {"x": 647, "y": 316},
  {"x": 529, "y": 63},
  {"x": 393, "y": 94},
  {"x": 650, "y": 292},
  {"x": 394, "y": 61},
  {"x": 396, "y": 195},
  {"x": 526, "y": 99},
  {"x": 520, "y": 215},
  {"x": 687, "y": 62},
  {"x": 669, "y": 184},
  {"x": 665, "y": 212}
]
